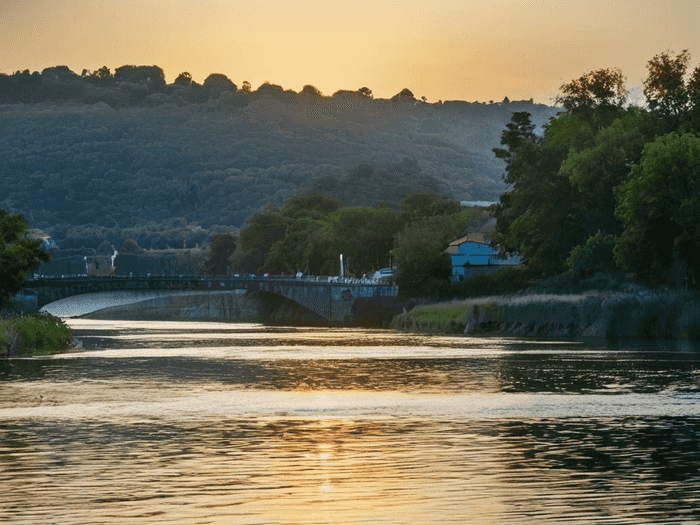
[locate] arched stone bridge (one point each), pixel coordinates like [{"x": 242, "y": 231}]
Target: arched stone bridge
[{"x": 330, "y": 297}]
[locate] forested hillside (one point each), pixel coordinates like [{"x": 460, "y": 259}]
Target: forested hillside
[{"x": 111, "y": 156}]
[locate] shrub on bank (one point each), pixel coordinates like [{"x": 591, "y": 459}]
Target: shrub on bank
[
  {"x": 507, "y": 281},
  {"x": 34, "y": 334}
]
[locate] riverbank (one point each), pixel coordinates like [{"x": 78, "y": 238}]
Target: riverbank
[
  {"x": 33, "y": 334},
  {"x": 613, "y": 315}
]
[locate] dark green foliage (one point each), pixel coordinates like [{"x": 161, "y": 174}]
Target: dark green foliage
[
  {"x": 310, "y": 90},
  {"x": 367, "y": 186},
  {"x": 152, "y": 77},
  {"x": 422, "y": 205},
  {"x": 302, "y": 248},
  {"x": 118, "y": 154},
  {"x": 257, "y": 238},
  {"x": 606, "y": 179},
  {"x": 665, "y": 87},
  {"x": 424, "y": 268},
  {"x": 538, "y": 217},
  {"x": 597, "y": 169},
  {"x": 313, "y": 206},
  {"x": 404, "y": 94},
  {"x": 37, "y": 334},
  {"x": 221, "y": 248},
  {"x": 593, "y": 257},
  {"x": 660, "y": 209},
  {"x": 506, "y": 281},
  {"x": 602, "y": 88},
  {"x": 311, "y": 232},
  {"x": 183, "y": 79},
  {"x": 365, "y": 236},
  {"x": 18, "y": 255},
  {"x": 216, "y": 84},
  {"x": 519, "y": 130}
]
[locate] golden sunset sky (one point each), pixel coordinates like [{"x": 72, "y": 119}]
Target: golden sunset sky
[{"x": 441, "y": 49}]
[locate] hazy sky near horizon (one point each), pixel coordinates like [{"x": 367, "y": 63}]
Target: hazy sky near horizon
[{"x": 441, "y": 49}]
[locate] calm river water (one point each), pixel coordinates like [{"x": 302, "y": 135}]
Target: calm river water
[{"x": 167, "y": 422}]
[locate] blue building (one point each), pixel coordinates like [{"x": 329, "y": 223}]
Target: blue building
[{"x": 472, "y": 255}]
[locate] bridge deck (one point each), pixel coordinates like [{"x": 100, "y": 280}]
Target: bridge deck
[{"x": 327, "y": 296}]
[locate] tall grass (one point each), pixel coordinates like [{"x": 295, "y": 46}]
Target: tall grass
[{"x": 633, "y": 314}]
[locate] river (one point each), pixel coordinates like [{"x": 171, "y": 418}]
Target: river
[{"x": 187, "y": 422}]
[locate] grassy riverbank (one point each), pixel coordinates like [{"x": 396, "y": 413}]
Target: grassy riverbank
[
  {"x": 33, "y": 334},
  {"x": 614, "y": 315}
]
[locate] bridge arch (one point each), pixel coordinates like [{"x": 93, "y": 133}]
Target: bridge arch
[{"x": 330, "y": 298}]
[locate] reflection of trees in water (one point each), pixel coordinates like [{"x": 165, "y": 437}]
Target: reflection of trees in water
[
  {"x": 631, "y": 455},
  {"x": 21, "y": 369},
  {"x": 561, "y": 368}
]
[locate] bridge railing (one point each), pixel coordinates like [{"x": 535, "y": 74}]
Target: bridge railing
[{"x": 242, "y": 278}]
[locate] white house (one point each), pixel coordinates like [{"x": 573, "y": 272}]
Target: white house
[{"x": 472, "y": 255}]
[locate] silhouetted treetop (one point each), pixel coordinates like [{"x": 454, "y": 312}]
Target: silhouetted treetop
[
  {"x": 311, "y": 90},
  {"x": 602, "y": 87},
  {"x": 183, "y": 79},
  {"x": 670, "y": 90},
  {"x": 217, "y": 83},
  {"x": 59, "y": 73},
  {"x": 150, "y": 76},
  {"x": 365, "y": 92},
  {"x": 404, "y": 94},
  {"x": 269, "y": 89}
]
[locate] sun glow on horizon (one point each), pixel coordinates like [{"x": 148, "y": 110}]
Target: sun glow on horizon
[{"x": 446, "y": 49}]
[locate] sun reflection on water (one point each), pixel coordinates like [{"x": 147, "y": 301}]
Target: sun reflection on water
[{"x": 181, "y": 423}]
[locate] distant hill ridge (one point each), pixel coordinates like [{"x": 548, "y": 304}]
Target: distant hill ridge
[{"x": 82, "y": 155}]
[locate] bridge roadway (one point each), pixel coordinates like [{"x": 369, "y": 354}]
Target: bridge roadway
[{"x": 330, "y": 297}]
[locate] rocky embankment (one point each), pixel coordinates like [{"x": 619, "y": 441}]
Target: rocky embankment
[{"x": 613, "y": 315}]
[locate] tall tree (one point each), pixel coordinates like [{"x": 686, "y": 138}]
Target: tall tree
[
  {"x": 18, "y": 255},
  {"x": 220, "y": 250},
  {"x": 365, "y": 236},
  {"x": 665, "y": 86},
  {"x": 599, "y": 88},
  {"x": 424, "y": 267},
  {"x": 538, "y": 217},
  {"x": 597, "y": 170},
  {"x": 660, "y": 208},
  {"x": 257, "y": 237}
]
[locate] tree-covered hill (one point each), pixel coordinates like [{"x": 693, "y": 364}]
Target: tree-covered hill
[{"x": 122, "y": 153}]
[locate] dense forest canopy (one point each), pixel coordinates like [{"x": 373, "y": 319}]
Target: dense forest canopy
[
  {"x": 121, "y": 154},
  {"x": 609, "y": 186}
]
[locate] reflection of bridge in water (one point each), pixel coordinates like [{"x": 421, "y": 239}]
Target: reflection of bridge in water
[{"x": 329, "y": 297}]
